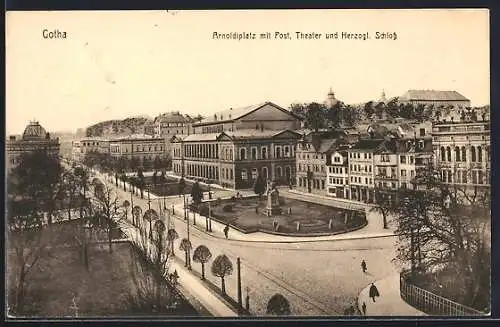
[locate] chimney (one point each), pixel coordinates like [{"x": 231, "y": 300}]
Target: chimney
[{"x": 12, "y": 138}]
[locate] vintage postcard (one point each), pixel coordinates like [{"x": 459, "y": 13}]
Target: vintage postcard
[{"x": 248, "y": 163}]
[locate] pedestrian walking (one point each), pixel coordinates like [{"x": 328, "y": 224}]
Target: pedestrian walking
[
  {"x": 226, "y": 230},
  {"x": 363, "y": 265},
  {"x": 363, "y": 307},
  {"x": 374, "y": 292}
]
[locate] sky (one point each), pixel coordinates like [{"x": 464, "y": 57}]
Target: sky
[{"x": 114, "y": 65}]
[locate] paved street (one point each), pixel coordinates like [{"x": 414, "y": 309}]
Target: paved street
[{"x": 318, "y": 278}]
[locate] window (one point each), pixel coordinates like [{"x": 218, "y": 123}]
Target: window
[
  {"x": 411, "y": 160},
  {"x": 243, "y": 154},
  {"x": 457, "y": 153},
  {"x": 421, "y": 144},
  {"x": 412, "y": 173},
  {"x": 448, "y": 153},
  {"x": 480, "y": 177},
  {"x": 365, "y": 155},
  {"x": 230, "y": 173},
  {"x": 264, "y": 172},
  {"x": 385, "y": 158},
  {"x": 254, "y": 173},
  {"x": 278, "y": 152},
  {"x": 288, "y": 171},
  {"x": 422, "y": 132},
  {"x": 322, "y": 184},
  {"x": 473, "y": 154},
  {"x": 244, "y": 175},
  {"x": 442, "y": 154},
  {"x": 287, "y": 151},
  {"x": 263, "y": 152},
  {"x": 279, "y": 171},
  {"x": 479, "y": 155},
  {"x": 402, "y": 159},
  {"x": 254, "y": 153},
  {"x": 464, "y": 153},
  {"x": 403, "y": 173}
]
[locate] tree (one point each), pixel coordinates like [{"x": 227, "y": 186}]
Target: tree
[
  {"x": 38, "y": 176},
  {"x": 186, "y": 246},
  {"x": 126, "y": 205},
  {"x": 134, "y": 163},
  {"x": 298, "y": 109},
  {"x": 149, "y": 271},
  {"x": 368, "y": 108},
  {"x": 196, "y": 193},
  {"x": 350, "y": 116},
  {"x": 70, "y": 189},
  {"x": 136, "y": 215},
  {"x": 438, "y": 230},
  {"x": 171, "y": 237},
  {"x": 28, "y": 242},
  {"x": 222, "y": 267},
  {"x": 155, "y": 174},
  {"x": 202, "y": 255},
  {"x": 278, "y": 305},
  {"x": 181, "y": 186},
  {"x": 315, "y": 116},
  {"x": 259, "y": 186},
  {"x": 107, "y": 204},
  {"x": 150, "y": 215},
  {"x": 141, "y": 182},
  {"x": 384, "y": 204}
]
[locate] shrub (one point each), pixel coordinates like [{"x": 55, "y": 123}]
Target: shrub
[{"x": 227, "y": 208}]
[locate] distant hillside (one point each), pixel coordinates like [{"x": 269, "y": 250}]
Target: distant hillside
[{"x": 132, "y": 125}]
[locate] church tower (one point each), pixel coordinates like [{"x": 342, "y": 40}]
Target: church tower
[
  {"x": 331, "y": 100},
  {"x": 382, "y": 97}
]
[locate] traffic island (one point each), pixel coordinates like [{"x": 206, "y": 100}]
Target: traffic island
[{"x": 295, "y": 218}]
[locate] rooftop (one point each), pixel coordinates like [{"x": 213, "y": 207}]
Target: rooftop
[{"x": 432, "y": 95}]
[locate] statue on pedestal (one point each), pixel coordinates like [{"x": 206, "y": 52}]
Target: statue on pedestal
[{"x": 273, "y": 203}]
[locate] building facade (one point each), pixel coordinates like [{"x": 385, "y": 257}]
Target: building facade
[
  {"x": 89, "y": 144},
  {"x": 235, "y": 159},
  {"x": 337, "y": 176},
  {"x": 361, "y": 170},
  {"x": 312, "y": 157},
  {"x": 34, "y": 138},
  {"x": 462, "y": 153}
]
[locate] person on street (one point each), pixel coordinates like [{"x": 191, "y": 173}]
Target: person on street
[
  {"x": 363, "y": 265},
  {"x": 226, "y": 230},
  {"x": 374, "y": 292},
  {"x": 363, "y": 307}
]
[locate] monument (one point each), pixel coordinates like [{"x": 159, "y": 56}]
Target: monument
[{"x": 273, "y": 203}]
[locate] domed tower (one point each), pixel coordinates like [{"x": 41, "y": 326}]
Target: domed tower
[
  {"x": 331, "y": 100},
  {"x": 34, "y": 131}
]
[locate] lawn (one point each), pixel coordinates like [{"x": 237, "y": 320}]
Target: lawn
[
  {"x": 60, "y": 286},
  {"x": 249, "y": 215},
  {"x": 170, "y": 187}
]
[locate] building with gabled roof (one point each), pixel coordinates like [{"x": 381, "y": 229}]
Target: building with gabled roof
[
  {"x": 235, "y": 158},
  {"x": 435, "y": 98},
  {"x": 262, "y": 116}
]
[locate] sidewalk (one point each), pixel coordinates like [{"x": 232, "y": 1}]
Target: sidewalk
[
  {"x": 190, "y": 283},
  {"x": 389, "y": 303}
]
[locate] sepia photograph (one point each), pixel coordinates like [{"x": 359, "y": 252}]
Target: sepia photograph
[{"x": 178, "y": 164}]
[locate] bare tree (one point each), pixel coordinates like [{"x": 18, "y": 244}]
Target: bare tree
[
  {"x": 28, "y": 241},
  {"x": 106, "y": 206},
  {"x": 149, "y": 271},
  {"x": 441, "y": 229}
]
